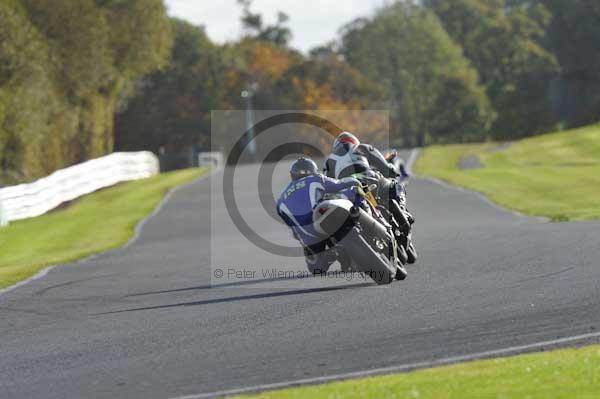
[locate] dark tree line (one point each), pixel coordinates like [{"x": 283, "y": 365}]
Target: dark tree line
[
  {"x": 172, "y": 112},
  {"x": 448, "y": 71},
  {"x": 79, "y": 79}
]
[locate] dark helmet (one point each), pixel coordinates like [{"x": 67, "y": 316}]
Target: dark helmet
[
  {"x": 344, "y": 143},
  {"x": 303, "y": 167}
]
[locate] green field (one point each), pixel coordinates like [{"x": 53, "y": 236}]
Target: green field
[
  {"x": 98, "y": 222},
  {"x": 564, "y": 374},
  {"x": 554, "y": 175}
]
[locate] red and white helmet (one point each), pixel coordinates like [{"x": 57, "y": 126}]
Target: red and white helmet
[{"x": 344, "y": 143}]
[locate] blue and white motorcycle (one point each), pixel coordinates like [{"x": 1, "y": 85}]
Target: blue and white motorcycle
[{"x": 363, "y": 237}]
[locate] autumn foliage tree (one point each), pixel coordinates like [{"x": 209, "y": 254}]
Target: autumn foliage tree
[
  {"x": 172, "y": 110},
  {"x": 434, "y": 92},
  {"x": 66, "y": 68},
  {"x": 79, "y": 79},
  {"x": 504, "y": 43}
]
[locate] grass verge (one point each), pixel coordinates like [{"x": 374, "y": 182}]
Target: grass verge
[
  {"x": 562, "y": 374},
  {"x": 95, "y": 223},
  {"x": 554, "y": 175}
]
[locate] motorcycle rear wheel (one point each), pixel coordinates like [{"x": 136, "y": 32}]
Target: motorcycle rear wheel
[{"x": 369, "y": 261}]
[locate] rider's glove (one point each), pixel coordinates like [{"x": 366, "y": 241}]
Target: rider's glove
[
  {"x": 352, "y": 180},
  {"x": 369, "y": 180},
  {"x": 360, "y": 191}
]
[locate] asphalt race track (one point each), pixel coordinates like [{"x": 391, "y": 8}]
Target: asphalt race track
[{"x": 146, "y": 322}]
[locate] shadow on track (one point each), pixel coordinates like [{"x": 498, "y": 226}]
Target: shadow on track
[
  {"x": 225, "y": 285},
  {"x": 243, "y": 298}
]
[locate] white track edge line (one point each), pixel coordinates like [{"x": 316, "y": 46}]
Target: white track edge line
[
  {"x": 392, "y": 369},
  {"x": 140, "y": 226},
  {"x": 136, "y": 234}
]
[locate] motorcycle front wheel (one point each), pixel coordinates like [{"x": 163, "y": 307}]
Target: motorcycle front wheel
[{"x": 412, "y": 253}]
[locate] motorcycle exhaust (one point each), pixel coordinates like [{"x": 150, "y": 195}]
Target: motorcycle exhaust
[{"x": 369, "y": 225}]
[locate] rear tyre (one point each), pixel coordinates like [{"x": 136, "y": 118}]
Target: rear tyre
[{"x": 375, "y": 264}]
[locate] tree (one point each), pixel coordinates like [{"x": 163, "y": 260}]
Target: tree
[
  {"x": 81, "y": 67},
  {"x": 28, "y": 99},
  {"x": 434, "y": 92},
  {"x": 102, "y": 49},
  {"x": 80, "y": 41},
  {"x": 141, "y": 36},
  {"x": 171, "y": 111},
  {"x": 65, "y": 67},
  {"x": 277, "y": 34},
  {"x": 503, "y": 41},
  {"x": 327, "y": 83},
  {"x": 573, "y": 36}
]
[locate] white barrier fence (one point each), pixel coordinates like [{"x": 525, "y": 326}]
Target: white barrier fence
[{"x": 34, "y": 199}]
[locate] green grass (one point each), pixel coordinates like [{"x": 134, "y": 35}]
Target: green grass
[
  {"x": 564, "y": 374},
  {"x": 98, "y": 222},
  {"x": 554, "y": 175}
]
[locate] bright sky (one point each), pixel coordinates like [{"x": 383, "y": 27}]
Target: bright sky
[{"x": 313, "y": 22}]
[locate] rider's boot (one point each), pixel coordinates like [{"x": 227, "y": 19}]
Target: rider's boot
[
  {"x": 345, "y": 262},
  {"x": 401, "y": 217},
  {"x": 405, "y": 220},
  {"x": 319, "y": 261},
  {"x": 409, "y": 216},
  {"x": 411, "y": 252}
]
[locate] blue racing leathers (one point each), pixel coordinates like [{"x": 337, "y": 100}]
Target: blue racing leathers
[{"x": 296, "y": 204}]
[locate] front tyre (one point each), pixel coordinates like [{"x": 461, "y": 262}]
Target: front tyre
[
  {"x": 401, "y": 273},
  {"x": 402, "y": 254},
  {"x": 412, "y": 253}
]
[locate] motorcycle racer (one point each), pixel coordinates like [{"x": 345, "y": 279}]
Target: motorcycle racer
[
  {"x": 296, "y": 203},
  {"x": 350, "y": 157}
]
